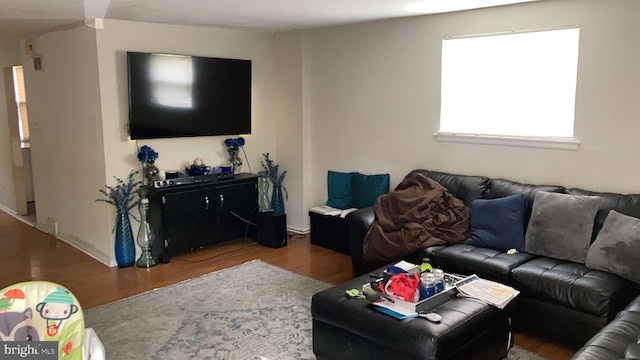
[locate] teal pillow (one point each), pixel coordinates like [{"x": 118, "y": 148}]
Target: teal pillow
[
  {"x": 339, "y": 189},
  {"x": 366, "y": 188}
]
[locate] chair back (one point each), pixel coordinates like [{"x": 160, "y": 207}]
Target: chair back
[{"x": 43, "y": 311}]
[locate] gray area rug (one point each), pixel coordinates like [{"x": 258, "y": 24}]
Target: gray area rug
[{"x": 251, "y": 311}]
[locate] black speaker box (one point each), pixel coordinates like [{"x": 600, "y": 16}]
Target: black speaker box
[{"x": 272, "y": 229}]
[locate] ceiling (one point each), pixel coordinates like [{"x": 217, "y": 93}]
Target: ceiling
[{"x": 27, "y": 17}]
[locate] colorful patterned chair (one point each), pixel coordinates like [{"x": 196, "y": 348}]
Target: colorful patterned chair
[{"x": 44, "y": 311}]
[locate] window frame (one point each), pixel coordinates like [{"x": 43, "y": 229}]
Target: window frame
[{"x": 552, "y": 142}]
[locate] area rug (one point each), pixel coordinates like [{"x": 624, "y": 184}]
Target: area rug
[{"x": 251, "y": 311}]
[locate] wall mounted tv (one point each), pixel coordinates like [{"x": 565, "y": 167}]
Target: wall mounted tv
[{"x": 180, "y": 96}]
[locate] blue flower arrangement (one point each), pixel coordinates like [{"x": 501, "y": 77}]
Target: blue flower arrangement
[
  {"x": 147, "y": 154},
  {"x": 234, "y": 143},
  {"x": 272, "y": 172},
  {"x": 122, "y": 196},
  {"x": 233, "y": 148}
]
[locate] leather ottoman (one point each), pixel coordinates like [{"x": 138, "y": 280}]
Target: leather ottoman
[
  {"x": 330, "y": 231},
  {"x": 346, "y": 328}
]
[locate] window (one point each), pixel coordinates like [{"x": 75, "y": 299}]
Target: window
[
  {"x": 172, "y": 80},
  {"x": 515, "y": 89},
  {"x": 21, "y": 103}
]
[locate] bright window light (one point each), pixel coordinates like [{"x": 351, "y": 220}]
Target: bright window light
[
  {"x": 516, "y": 85},
  {"x": 172, "y": 80}
]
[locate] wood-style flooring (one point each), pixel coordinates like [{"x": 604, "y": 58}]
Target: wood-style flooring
[{"x": 30, "y": 254}]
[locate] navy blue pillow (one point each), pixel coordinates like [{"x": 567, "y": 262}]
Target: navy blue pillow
[
  {"x": 498, "y": 223},
  {"x": 366, "y": 188},
  {"x": 339, "y": 189}
]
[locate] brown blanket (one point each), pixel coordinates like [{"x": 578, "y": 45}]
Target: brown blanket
[{"x": 419, "y": 213}]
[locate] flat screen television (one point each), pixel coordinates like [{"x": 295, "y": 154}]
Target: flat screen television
[{"x": 181, "y": 96}]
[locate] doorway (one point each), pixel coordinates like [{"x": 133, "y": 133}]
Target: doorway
[{"x": 16, "y": 99}]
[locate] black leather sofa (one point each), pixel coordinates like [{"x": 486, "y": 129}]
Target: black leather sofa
[
  {"x": 618, "y": 340},
  {"x": 561, "y": 299}
]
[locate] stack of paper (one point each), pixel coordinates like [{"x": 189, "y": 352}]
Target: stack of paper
[
  {"x": 331, "y": 211},
  {"x": 492, "y": 293},
  {"x": 325, "y": 210},
  {"x": 408, "y": 267}
]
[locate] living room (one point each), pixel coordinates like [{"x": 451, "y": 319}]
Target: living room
[
  {"x": 362, "y": 97},
  {"x": 321, "y": 97}
]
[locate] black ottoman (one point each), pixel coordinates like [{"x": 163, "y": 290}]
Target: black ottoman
[
  {"x": 330, "y": 231},
  {"x": 351, "y": 329}
]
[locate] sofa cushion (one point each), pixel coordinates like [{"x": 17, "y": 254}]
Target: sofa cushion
[
  {"x": 487, "y": 263},
  {"x": 573, "y": 285},
  {"x": 498, "y": 223},
  {"x": 560, "y": 226},
  {"x": 617, "y": 247},
  {"x": 464, "y": 187},
  {"x": 633, "y": 351},
  {"x": 626, "y": 204},
  {"x": 366, "y": 188},
  {"x": 499, "y": 188},
  {"x": 634, "y": 306},
  {"x": 339, "y": 189},
  {"x": 614, "y": 341}
]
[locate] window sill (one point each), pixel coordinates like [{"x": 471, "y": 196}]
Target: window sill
[{"x": 520, "y": 141}]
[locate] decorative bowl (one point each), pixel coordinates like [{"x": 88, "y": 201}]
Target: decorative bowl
[{"x": 196, "y": 170}]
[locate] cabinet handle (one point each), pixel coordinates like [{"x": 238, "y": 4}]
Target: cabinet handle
[
  {"x": 206, "y": 203},
  {"x": 164, "y": 200},
  {"x": 221, "y": 200}
]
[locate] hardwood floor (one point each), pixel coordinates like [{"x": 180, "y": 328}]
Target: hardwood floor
[{"x": 29, "y": 254}]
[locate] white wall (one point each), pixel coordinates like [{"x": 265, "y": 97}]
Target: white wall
[
  {"x": 363, "y": 97},
  {"x": 66, "y": 139},
  {"x": 115, "y": 38},
  {"x": 292, "y": 137},
  {"x": 118, "y": 37},
  {"x": 375, "y": 97},
  {"x": 78, "y": 112},
  {"x": 28, "y": 175},
  {"x": 9, "y": 56}
]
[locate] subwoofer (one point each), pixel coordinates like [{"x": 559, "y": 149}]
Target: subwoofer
[{"x": 272, "y": 229}]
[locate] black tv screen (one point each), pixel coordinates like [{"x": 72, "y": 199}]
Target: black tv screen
[{"x": 180, "y": 96}]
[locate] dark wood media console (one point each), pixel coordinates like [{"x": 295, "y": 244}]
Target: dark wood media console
[{"x": 188, "y": 217}]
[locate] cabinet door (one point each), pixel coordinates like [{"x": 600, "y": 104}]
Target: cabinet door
[
  {"x": 189, "y": 219},
  {"x": 237, "y": 205}
]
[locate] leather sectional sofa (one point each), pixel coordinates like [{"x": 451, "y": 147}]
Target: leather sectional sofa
[
  {"x": 561, "y": 299},
  {"x": 618, "y": 340}
]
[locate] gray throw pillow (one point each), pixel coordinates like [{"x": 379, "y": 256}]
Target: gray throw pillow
[
  {"x": 560, "y": 226},
  {"x": 617, "y": 247}
]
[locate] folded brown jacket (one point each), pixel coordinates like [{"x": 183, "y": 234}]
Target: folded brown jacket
[{"x": 419, "y": 213}]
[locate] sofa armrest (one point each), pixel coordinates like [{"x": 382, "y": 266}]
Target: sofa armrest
[
  {"x": 632, "y": 352},
  {"x": 362, "y": 218},
  {"x": 360, "y": 222}
]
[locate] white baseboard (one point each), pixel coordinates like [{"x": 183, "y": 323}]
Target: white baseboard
[
  {"x": 298, "y": 230},
  {"x": 15, "y": 215},
  {"x": 82, "y": 246},
  {"x": 89, "y": 250}
]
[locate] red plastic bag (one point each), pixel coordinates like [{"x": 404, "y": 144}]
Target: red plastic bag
[{"x": 405, "y": 286}]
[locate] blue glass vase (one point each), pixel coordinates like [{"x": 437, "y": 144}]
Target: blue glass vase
[
  {"x": 277, "y": 202},
  {"x": 124, "y": 244}
]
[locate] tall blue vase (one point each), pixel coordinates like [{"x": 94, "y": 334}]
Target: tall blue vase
[
  {"x": 277, "y": 202},
  {"x": 125, "y": 245}
]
